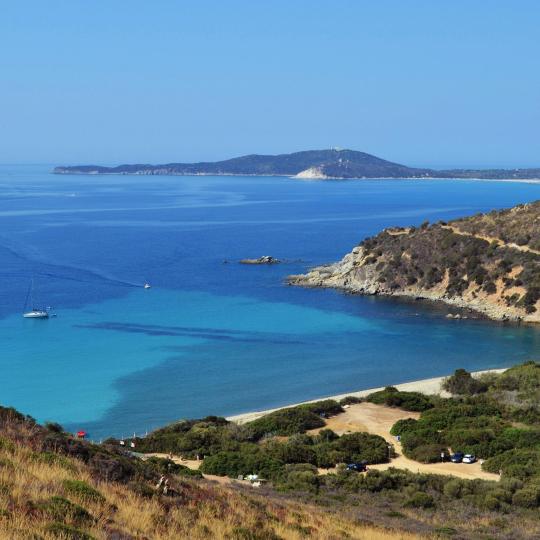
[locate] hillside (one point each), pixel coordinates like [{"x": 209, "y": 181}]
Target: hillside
[
  {"x": 489, "y": 263},
  {"x": 55, "y": 487},
  {"x": 331, "y": 163}
]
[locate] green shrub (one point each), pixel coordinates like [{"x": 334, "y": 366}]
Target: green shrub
[
  {"x": 420, "y": 500},
  {"x": 249, "y": 461},
  {"x": 351, "y": 400},
  {"x": 462, "y": 382},
  {"x": 60, "y": 509},
  {"x": 50, "y": 458},
  {"x": 516, "y": 463},
  {"x": 427, "y": 453},
  {"x": 286, "y": 422},
  {"x": 326, "y": 407},
  {"x": 82, "y": 490},
  {"x": 528, "y": 497},
  {"x": 408, "y": 401},
  {"x": 404, "y": 426}
]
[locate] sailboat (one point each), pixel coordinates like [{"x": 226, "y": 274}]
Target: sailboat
[{"x": 35, "y": 312}]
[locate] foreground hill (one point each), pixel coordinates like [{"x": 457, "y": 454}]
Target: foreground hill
[
  {"x": 488, "y": 262},
  {"x": 331, "y": 163},
  {"x": 55, "y": 486}
]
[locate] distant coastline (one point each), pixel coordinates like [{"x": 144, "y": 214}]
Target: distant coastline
[{"x": 331, "y": 164}]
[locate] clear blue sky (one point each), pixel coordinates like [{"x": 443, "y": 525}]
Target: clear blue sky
[{"x": 435, "y": 83}]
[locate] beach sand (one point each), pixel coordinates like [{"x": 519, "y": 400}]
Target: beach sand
[{"x": 426, "y": 386}]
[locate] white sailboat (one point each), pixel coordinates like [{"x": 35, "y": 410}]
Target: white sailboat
[{"x": 35, "y": 312}]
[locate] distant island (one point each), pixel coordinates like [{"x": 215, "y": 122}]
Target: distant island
[
  {"x": 488, "y": 262},
  {"x": 311, "y": 164}
]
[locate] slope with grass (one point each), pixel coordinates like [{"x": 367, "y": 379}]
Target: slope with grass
[
  {"x": 56, "y": 487},
  {"x": 489, "y": 263}
]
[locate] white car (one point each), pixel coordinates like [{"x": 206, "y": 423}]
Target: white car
[{"x": 469, "y": 458}]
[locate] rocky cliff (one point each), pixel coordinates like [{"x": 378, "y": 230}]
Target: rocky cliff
[{"x": 489, "y": 263}]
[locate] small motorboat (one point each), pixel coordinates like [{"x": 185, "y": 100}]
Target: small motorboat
[{"x": 147, "y": 286}]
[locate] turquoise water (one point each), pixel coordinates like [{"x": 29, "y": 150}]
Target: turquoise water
[{"x": 209, "y": 337}]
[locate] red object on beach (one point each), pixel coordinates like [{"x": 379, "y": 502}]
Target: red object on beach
[{"x": 81, "y": 434}]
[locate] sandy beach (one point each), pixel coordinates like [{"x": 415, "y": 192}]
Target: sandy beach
[{"x": 426, "y": 386}]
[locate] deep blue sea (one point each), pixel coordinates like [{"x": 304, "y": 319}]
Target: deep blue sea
[{"x": 211, "y": 337}]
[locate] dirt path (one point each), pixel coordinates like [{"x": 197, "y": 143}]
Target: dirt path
[
  {"x": 491, "y": 239},
  {"x": 379, "y": 420}
]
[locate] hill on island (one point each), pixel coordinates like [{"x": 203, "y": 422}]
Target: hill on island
[
  {"x": 488, "y": 262},
  {"x": 332, "y": 163}
]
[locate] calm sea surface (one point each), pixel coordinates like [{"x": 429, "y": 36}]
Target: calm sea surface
[{"x": 210, "y": 337}]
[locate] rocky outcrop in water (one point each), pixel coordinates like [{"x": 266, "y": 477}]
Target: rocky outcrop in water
[{"x": 265, "y": 259}]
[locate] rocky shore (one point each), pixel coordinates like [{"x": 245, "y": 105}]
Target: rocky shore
[{"x": 410, "y": 263}]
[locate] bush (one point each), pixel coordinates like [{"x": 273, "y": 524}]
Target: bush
[
  {"x": 286, "y": 422},
  {"x": 351, "y": 400},
  {"x": 528, "y": 497},
  {"x": 82, "y": 490},
  {"x": 326, "y": 407},
  {"x": 427, "y": 453},
  {"x": 408, "y": 401},
  {"x": 356, "y": 447},
  {"x": 60, "y": 509},
  {"x": 301, "y": 477},
  {"x": 233, "y": 464},
  {"x": 516, "y": 463},
  {"x": 462, "y": 382},
  {"x": 54, "y": 427},
  {"x": 420, "y": 500},
  {"x": 404, "y": 426}
]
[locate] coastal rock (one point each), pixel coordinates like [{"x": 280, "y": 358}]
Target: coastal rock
[{"x": 265, "y": 259}]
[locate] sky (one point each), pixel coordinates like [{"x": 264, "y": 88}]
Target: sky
[{"x": 424, "y": 83}]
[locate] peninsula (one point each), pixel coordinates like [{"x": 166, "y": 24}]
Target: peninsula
[
  {"x": 311, "y": 164},
  {"x": 488, "y": 262}
]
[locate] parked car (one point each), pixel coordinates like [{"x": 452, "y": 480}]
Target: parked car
[
  {"x": 358, "y": 467},
  {"x": 469, "y": 458},
  {"x": 457, "y": 457}
]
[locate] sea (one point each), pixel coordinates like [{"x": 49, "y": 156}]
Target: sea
[{"x": 212, "y": 336}]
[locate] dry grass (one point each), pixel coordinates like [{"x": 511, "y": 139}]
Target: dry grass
[{"x": 202, "y": 510}]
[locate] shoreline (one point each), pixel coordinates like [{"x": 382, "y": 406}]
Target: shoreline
[
  {"x": 430, "y": 386},
  {"x": 294, "y": 177}
]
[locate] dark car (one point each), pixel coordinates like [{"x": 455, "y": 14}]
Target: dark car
[
  {"x": 457, "y": 457},
  {"x": 358, "y": 467}
]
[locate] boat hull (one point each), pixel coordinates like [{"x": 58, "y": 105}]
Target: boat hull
[{"x": 36, "y": 315}]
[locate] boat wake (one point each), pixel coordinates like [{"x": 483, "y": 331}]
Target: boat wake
[{"x": 38, "y": 266}]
